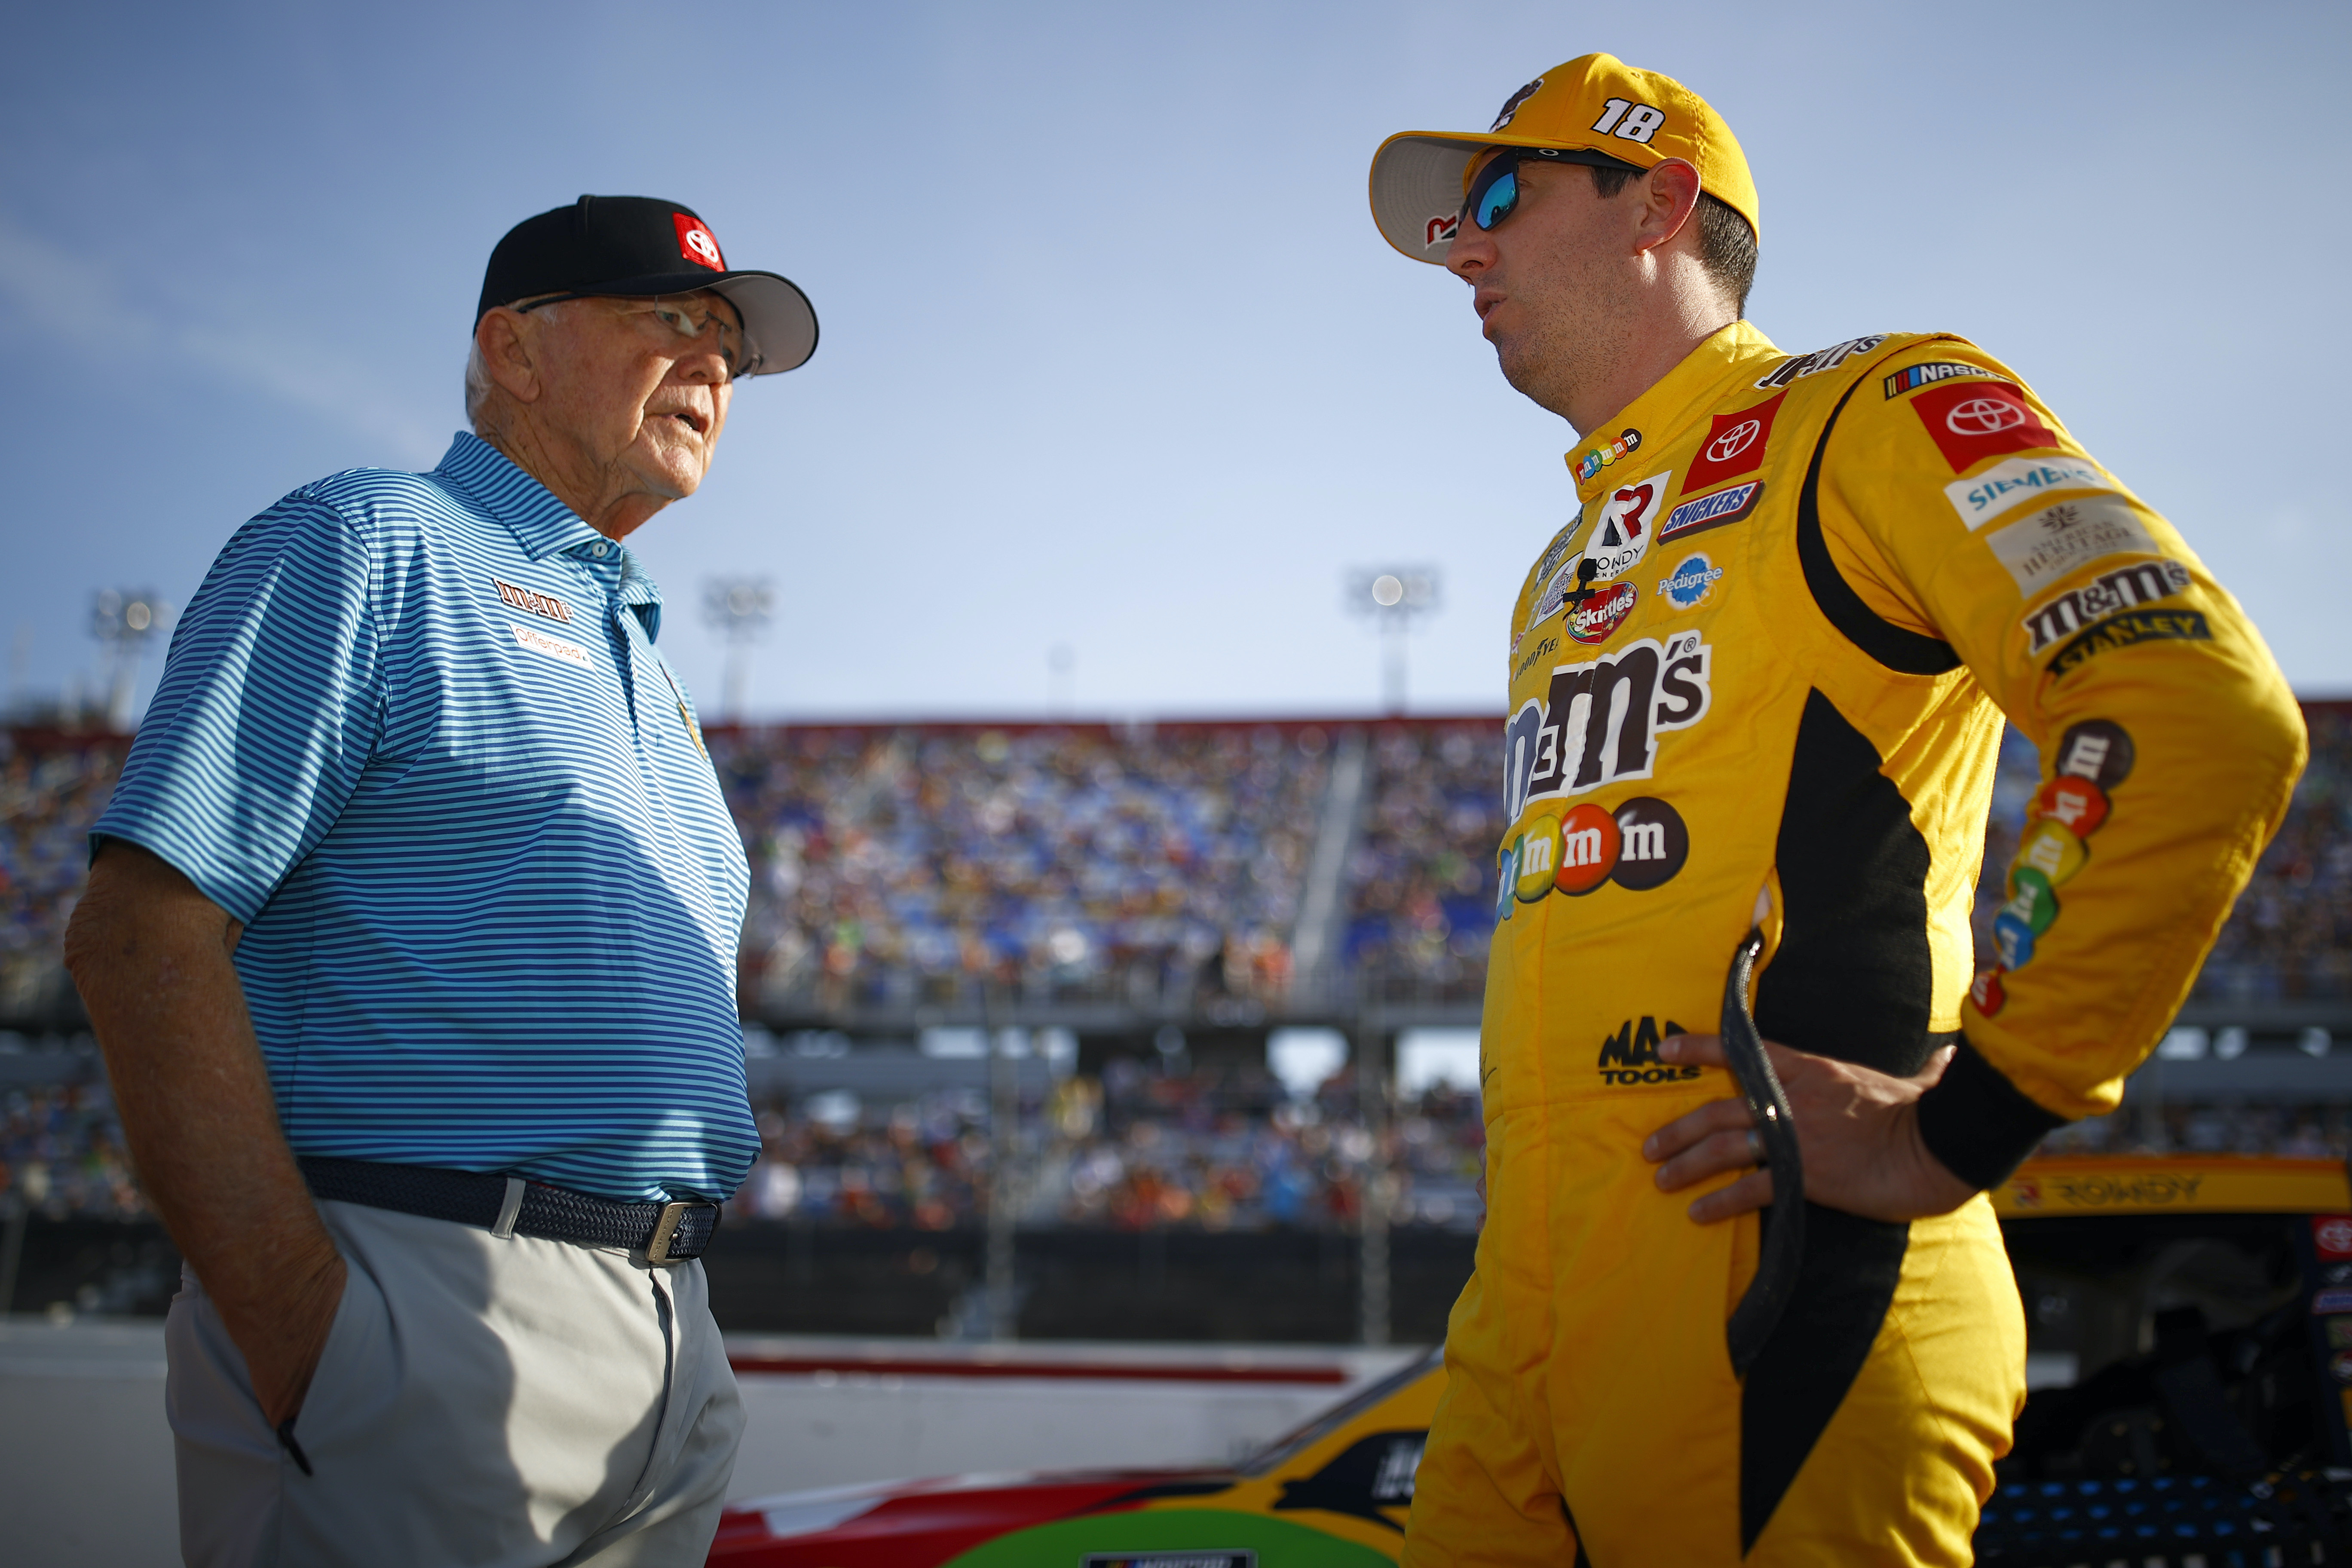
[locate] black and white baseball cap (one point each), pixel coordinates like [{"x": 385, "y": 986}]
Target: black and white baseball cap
[{"x": 638, "y": 247}]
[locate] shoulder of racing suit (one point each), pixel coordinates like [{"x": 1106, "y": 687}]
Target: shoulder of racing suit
[{"x": 1959, "y": 524}]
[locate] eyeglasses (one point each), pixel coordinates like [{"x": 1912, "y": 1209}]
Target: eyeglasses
[
  {"x": 689, "y": 317},
  {"x": 1494, "y": 194}
]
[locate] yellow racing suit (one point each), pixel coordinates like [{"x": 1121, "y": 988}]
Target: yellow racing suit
[{"x": 1771, "y": 656}]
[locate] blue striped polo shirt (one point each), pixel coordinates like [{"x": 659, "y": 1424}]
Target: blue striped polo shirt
[{"x": 413, "y": 732}]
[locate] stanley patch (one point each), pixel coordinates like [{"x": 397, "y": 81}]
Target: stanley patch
[{"x": 2128, "y": 630}]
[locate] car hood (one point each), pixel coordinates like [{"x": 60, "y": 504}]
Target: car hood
[{"x": 920, "y": 1523}]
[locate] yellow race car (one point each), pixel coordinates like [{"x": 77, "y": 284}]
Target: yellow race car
[{"x": 2192, "y": 1332}]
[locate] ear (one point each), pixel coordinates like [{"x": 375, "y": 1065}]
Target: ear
[
  {"x": 507, "y": 356},
  {"x": 1669, "y": 197}
]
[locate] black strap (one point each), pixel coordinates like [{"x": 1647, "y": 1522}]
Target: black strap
[
  {"x": 1783, "y": 1241},
  {"x": 1904, "y": 651}
]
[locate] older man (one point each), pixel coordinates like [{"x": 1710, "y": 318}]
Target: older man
[{"x": 410, "y": 940}]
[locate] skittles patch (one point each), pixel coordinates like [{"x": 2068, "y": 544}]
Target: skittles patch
[{"x": 1596, "y": 620}]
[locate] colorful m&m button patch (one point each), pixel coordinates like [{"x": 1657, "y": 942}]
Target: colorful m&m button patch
[{"x": 2090, "y": 760}]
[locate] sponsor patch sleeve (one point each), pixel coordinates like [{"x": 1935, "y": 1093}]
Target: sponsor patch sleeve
[
  {"x": 1957, "y": 506},
  {"x": 267, "y": 711}
]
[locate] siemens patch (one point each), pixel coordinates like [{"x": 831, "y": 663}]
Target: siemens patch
[{"x": 1985, "y": 497}]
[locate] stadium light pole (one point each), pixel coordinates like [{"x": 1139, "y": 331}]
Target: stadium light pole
[
  {"x": 1393, "y": 596},
  {"x": 122, "y": 622},
  {"x": 737, "y": 608}
]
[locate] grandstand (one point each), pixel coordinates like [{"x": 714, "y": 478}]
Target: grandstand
[{"x": 1158, "y": 897}]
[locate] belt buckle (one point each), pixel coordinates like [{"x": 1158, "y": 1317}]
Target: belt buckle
[{"x": 666, "y": 1224}]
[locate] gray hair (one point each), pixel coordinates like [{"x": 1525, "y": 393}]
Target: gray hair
[{"x": 479, "y": 384}]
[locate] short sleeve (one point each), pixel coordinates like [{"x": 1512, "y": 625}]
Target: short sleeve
[{"x": 268, "y": 710}]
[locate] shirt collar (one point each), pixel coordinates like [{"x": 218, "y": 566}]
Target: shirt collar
[
  {"x": 544, "y": 526},
  {"x": 1690, "y": 390},
  {"x": 541, "y": 524},
  {"x": 641, "y": 593}
]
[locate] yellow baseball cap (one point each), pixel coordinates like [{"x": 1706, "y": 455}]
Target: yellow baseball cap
[{"x": 1593, "y": 103}]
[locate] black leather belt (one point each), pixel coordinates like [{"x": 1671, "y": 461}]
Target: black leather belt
[{"x": 511, "y": 1206}]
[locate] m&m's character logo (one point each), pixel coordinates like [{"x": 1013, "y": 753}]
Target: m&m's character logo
[
  {"x": 1638, "y": 846},
  {"x": 1600, "y": 456},
  {"x": 2093, "y": 758}
]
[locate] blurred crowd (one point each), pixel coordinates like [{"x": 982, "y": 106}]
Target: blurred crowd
[
  {"x": 61, "y": 1154},
  {"x": 1160, "y": 865},
  {"x": 47, "y": 800},
  {"x": 2290, "y": 938},
  {"x": 1164, "y": 867},
  {"x": 901, "y": 866},
  {"x": 1136, "y": 1148},
  {"x": 1421, "y": 881},
  {"x": 2297, "y": 1132}
]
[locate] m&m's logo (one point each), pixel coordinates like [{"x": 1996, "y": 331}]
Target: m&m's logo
[
  {"x": 1638, "y": 846},
  {"x": 1600, "y": 456},
  {"x": 2093, "y": 757}
]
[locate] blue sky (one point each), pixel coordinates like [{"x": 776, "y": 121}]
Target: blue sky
[{"x": 1113, "y": 357}]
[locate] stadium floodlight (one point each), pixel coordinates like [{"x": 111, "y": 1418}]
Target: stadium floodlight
[
  {"x": 737, "y": 608},
  {"x": 122, "y": 622},
  {"x": 1393, "y": 596}
]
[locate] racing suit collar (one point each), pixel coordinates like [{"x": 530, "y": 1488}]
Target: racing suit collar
[{"x": 1690, "y": 392}]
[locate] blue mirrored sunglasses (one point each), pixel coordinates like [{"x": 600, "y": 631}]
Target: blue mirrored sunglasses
[{"x": 1494, "y": 194}]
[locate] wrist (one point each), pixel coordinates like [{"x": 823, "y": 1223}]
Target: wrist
[
  {"x": 1977, "y": 1125},
  {"x": 1936, "y": 1188}
]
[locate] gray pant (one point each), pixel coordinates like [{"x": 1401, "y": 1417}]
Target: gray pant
[{"x": 480, "y": 1402}]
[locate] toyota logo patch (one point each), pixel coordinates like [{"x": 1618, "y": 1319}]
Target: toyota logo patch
[
  {"x": 696, "y": 243},
  {"x": 1983, "y": 416}
]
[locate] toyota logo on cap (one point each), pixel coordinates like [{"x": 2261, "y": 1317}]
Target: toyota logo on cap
[{"x": 696, "y": 242}]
